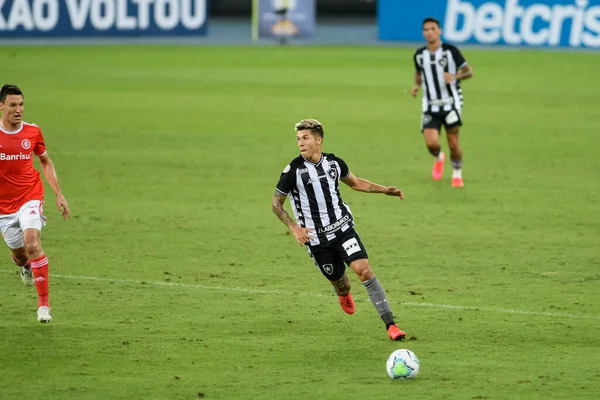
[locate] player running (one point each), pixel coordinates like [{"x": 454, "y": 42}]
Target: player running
[
  {"x": 22, "y": 194},
  {"x": 324, "y": 223}
]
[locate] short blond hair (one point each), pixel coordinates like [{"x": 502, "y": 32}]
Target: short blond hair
[{"x": 312, "y": 125}]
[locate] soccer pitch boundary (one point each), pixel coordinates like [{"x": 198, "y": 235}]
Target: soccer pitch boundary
[{"x": 283, "y": 292}]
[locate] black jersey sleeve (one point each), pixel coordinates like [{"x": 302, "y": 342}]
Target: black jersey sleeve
[
  {"x": 287, "y": 180},
  {"x": 458, "y": 57},
  {"x": 417, "y": 66},
  {"x": 344, "y": 170}
]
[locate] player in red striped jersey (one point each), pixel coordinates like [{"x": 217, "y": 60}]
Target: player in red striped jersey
[{"x": 22, "y": 194}]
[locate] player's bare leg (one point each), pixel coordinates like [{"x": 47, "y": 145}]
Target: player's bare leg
[
  {"x": 377, "y": 296},
  {"x": 342, "y": 288},
  {"x": 19, "y": 257},
  {"x": 432, "y": 141},
  {"x": 39, "y": 268},
  {"x": 455, "y": 157}
]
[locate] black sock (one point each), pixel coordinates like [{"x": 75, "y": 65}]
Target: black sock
[
  {"x": 456, "y": 164},
  {"x": 435, "y": 151}
]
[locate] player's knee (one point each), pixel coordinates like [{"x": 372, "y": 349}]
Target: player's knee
[
  {"x": 454, "y": 146},
  {"x": 432, "y": 138},
  {"x": 432, "y": 143},
  {"x": 33, "y": 249},
  {"x": 364, "y": 272},
  {"x": 366, "y": 275}
]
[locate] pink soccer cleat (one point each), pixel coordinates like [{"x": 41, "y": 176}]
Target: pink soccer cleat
[
  {"x": 438, "y": 168},
  {"x": 457, "y": 182},
  {"x": 395, "y": 333},
  {"x": 347, "y": 303}
]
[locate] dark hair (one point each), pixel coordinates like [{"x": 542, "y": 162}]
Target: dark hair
[
  {"x": 9, "y": 89},
  {"x": 431, "y": 19},
  {"x": 312, "y": 125}
]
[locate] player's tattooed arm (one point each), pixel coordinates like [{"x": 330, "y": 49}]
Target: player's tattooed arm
[
  {"x": 465, "y": 72},
  {"x": 375, "y": 188},
  {"x": 302, "y": 235},
  {"x": 363, "y": 185},
  {"x": 279, "y": 210},
  {"x": 418, "y": 81}
]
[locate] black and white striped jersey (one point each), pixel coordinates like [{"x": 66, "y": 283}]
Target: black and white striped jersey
[
  {"x": 438, "y": 95},
  {"x": 314, "y": 194}
]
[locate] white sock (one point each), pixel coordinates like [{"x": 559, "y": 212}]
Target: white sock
[
  {"x": 440, "y": 156},
  {"x": 457, "y": 173}
]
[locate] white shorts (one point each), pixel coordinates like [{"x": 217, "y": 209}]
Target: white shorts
[{"x": 30, "y": 216}]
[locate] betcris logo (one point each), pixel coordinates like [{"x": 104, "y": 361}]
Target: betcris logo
[
  {"x": 558, "y": 23},
  {"x": 43, "y": 18},
  {"x": 576, "y": 24}
]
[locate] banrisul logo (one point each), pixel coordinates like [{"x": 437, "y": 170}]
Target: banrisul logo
[
  {"x": 15, "y": 157},
  {"x": 574, "y": 23}
]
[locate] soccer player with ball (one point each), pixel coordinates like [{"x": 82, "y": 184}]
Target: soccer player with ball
[
  {"x": 22, "y": 194},
  {"x": 324, "y": 223}
]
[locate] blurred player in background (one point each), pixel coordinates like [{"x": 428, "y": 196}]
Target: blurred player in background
[
  {"x": 22, "y": 194},
  {"x": 324, "y": 222},
  {"x": 440, "y": 68}
]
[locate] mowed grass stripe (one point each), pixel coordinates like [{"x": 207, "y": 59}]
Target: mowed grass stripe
[{"x": 283, "y": 292}]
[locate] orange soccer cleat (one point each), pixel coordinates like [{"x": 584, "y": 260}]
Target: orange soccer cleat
[
  {"x": 438, "y": 168},
  {"x": 395, "y": 333},
  {"x": 347, "y": 304},
  {"x": 457, "y": 182}
]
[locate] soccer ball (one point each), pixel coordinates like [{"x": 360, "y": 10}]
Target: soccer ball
[{"x": 402, "y": 363}]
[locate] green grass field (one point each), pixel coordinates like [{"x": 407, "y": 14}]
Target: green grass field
[{"x": 174, "y": 280}]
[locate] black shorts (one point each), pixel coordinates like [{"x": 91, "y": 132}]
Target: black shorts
[
  {"x": 331, "y": 256},
  {"x": 435, "y": 120}
]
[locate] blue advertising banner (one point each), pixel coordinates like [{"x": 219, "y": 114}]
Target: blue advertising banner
[
  {"x": 54, "y": 18},
  {"x": 299, "y": 19},
  {"x": 546, "y": 23}
]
